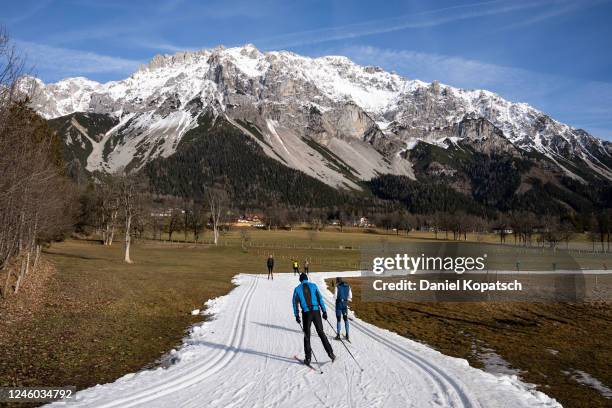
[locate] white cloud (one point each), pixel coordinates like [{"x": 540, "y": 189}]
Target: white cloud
[
  {"x": 555, "y": 10},
  {"x": 63, "y": 62},
  {"x": 453, "y": 70},
  {"x": 424, "y": 19}
]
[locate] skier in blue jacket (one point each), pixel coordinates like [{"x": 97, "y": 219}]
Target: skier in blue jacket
[
  {"x": 343, "y": 295},
  {"x": 309, "y": 299}
]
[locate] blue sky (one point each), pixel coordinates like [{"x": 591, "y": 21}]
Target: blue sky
[{"x": 554, "y": 54}]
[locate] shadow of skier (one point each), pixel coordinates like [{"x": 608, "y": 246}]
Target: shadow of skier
[
  {"x": 232, "y": 349},
  {"x": 277, "y": 327}
]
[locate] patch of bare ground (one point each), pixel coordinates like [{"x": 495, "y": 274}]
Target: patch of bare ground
[
  {"x": 29, "y": 300},
  {"x": 543, "y": 343}
]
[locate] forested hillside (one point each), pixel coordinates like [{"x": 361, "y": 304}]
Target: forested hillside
[{"x": 217, "y": 153}]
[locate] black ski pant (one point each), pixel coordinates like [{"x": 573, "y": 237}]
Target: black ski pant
[
  {"x": 296, "y": 271},
  {"x": 314, "y": 317},
  {"x": 270, "y": 275}
]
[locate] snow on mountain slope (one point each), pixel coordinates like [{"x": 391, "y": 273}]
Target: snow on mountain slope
[
  {"x": 329, "y": 100},
  {"x": 243, "y": 357},
  {"x": 150, "y": 135},
  {"x": 63, "y": 97}
]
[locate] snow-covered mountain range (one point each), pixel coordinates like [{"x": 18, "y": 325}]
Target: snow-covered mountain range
[{"x": 327, "y": 117}]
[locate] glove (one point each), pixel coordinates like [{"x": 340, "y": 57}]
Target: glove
[
  {"x": 297, "y": 319},
  {"x": 325, "y": 315}
]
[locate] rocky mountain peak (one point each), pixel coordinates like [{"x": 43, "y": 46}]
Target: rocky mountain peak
[{"x": 363, "y": 114}]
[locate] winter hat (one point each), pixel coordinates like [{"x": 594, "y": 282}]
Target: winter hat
[{"x": 303, "y": 277}]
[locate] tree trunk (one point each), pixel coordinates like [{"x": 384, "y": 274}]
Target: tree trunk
[
  {"x": 21, "y": 276},
  {"x": 105, "y": 235},
  {"x": 36, "y": 258},
  {"x": 27, "y": 264},
  {"x": 102, "y": 229},
  {"x": 112, "y": 230},
  {"x": 128, "y": 239},
  {"x": 7, "y": 282}
]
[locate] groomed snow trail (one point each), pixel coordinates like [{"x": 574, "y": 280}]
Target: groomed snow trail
[{"x": 243, "y": 357}]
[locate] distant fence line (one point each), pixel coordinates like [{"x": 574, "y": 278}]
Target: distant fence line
[
  {"x": 265, "y": 249},
  {"x": 577, "y": 248},
  {"x": 237, "y": 243}
]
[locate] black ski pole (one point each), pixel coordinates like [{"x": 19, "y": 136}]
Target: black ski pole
[
  {"x": 345, "y": 346},
  {"x": 311, "y": 350}
]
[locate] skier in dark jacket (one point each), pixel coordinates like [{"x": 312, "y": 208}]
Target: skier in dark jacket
[
  {"x": 343, "y": 295},
  {"x": 296, "y": 267},
  {"x": 270, "y": 264},
  {"x": 310, "y": 300}
]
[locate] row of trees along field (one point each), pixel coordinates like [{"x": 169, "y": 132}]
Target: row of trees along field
[
  {"x": 185, "y": 219},
  {"x": 122, "y": 201},
  {"x": 36, "y": 202}
]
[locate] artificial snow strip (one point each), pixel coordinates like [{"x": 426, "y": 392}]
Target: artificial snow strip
[{"x": 242, "y": 357}]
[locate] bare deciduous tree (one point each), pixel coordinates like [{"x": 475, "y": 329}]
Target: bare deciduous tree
[
  {"x": 133, "y": 189},
  {"x": 245, "y": 237},
  {"x": 342, "y": 219},
  {"x": 187, "y": 217},
  {"x": 197, "y": 221},
  {"x": 566, "y": 232},
  {"x": 108, "y": 195},
  {"x": 218, "y": 202},
  {"x": 36, "y": 201},
  {"x": 174, "y": 222},
  {"x": 551, "y": 233}
]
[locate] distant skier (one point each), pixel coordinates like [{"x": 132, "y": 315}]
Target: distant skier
[
  {"x": 270, "y": 264},
  {"x": 309, "y": 299},
  {"x": 296, "y": 267},
  {"x": 343, "y": 295},
  {"x": 306, "y": 267}
]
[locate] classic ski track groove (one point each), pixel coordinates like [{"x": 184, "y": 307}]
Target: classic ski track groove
[
  {"x": 439, "y": 378},
  {"x": 201, "y": 371},
  {"x": 242, "y": 357}
]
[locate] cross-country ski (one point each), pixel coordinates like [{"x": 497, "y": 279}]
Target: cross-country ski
[{"x": 302, "y": 361}]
